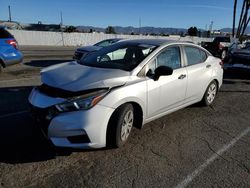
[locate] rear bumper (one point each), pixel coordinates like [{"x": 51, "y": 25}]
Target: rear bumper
[{"x": 12, "y": 58}]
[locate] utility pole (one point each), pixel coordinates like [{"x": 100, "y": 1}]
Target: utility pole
[
  {"x": 139, "y": 25},
  {"x": 9, "y": 13},
  {"x": 211, "y": 26},
  {"x": 61, "y": 27}
]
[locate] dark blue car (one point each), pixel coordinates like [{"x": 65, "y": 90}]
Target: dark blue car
[
  {"x": 9, "y": 53},
  {"x": 83, "y": 51}
]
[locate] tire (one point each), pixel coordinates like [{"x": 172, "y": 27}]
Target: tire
[
  {"x": 210, "y": 94},
  {"x": 223, "y": 54},
  {"x": 120, "y": 126}
]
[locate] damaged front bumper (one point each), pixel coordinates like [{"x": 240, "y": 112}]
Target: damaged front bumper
[{"x": 76, "y": 129}]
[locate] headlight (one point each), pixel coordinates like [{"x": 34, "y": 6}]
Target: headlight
[{"x": 83, "y": 102}]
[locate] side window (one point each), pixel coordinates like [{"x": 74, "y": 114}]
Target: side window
[
  {"x": 195, "y": 55},
  {"x": 203, "y": 55},
  {"x": 105, "y": 43},
  {"x": 169, "y": 57}
]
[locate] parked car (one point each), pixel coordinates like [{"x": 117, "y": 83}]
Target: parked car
[
  {"x": 9, "y": 53},
  {"x": 103, "y": 96},
  {"x": 247, "y": 44},
  {"x": 218, "y": 47},
  {"x": 239, "y": 55},
  {"x": 83, "y": 51}
]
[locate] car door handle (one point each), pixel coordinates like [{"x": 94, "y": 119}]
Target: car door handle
[
  {"x": 182, "y": 76},
  {"x": 208, "y": 66}
]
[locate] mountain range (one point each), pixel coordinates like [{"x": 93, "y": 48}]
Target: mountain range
[{"x": 147, "y": 30}]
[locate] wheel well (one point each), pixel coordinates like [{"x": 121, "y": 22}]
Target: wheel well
[
  {"x": 111, "y": 129},
  {"x": 138, "y": 114},
  {"x": 217, "y": 83}
]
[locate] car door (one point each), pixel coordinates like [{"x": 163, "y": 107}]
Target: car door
[
  {"x": 199, "y": 72},
  {"x": 169, "y": 91}
]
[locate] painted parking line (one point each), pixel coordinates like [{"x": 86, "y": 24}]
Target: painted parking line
[
  {"x": 13, "y": 114},
  {"x": 201, "y": 168}
]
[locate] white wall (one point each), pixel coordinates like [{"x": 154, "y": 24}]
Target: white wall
[{"x": 79, "y": 39}]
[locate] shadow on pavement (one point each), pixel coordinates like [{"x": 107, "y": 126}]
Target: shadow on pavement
[
  {"x": 20, "y": 139},
  {"x": 45, "y": 63}
]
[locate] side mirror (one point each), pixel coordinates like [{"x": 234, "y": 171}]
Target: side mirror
[{"x": 162, "y": 71}]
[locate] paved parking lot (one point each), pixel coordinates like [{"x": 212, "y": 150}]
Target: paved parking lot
[{"x": 194, "y": 147}]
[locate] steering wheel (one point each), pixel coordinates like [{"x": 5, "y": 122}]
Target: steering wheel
[{"x": 104, "y": 58}]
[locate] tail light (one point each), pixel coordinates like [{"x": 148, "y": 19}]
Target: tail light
[
  {"x": 221, "y": 46},
  {"x": 12, "y": 42}
]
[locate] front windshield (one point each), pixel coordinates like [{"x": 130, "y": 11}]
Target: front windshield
[{"x": 125, "y": 56}]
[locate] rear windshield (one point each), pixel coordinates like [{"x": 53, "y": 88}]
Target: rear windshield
[
  {"x": 5, "y": 34},
  {"x": 124, "y": 56}
]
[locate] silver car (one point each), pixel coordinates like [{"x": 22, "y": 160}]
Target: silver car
[{"x": 95, "y": 102}]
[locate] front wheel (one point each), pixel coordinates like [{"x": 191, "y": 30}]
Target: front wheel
[
  {"x": 210, "y": 94},
  {"x": 120, "y": 126}
]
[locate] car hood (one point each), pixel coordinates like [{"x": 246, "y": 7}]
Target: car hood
[
  {"x": 89, "y": 48},
  {"x": 72, "y": 76}
]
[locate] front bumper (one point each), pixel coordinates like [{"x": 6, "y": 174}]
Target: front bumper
[
  {"x": 78, "y": 55},
  {"x": 78, "y": 129}
]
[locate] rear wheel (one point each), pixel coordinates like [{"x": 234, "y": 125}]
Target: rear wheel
[
  {"x": 210, "y": 94},
  {"x": 120, "y": 126}
]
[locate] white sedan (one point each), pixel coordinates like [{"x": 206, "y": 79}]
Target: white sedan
[{"x": 95, "y": 102}]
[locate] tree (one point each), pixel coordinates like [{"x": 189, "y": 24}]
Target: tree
[
  {"x": 110, "y": 30},
  {"x": 70, "y": 29},
  {"x": 193, "y": 31}
]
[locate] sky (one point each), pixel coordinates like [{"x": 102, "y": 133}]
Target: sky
[{"x": 101, "y": 13}]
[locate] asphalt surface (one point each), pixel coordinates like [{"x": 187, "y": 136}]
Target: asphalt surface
[{"x": 194, "y": 147}]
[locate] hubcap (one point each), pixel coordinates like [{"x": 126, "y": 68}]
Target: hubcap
[
  {"x": 211, "y": 93},
  {"x": 127, "y": 125},
  {"x": 223, "y": 55}
]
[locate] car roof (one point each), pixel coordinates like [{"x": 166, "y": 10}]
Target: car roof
[
  {"x": 155, "y": 42},
  {"x": 114, "y": 39}
]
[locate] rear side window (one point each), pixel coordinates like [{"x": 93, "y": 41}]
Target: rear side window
[
  {"x": 195, "y": 55},
  {"x": 5, "y": 34}
]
